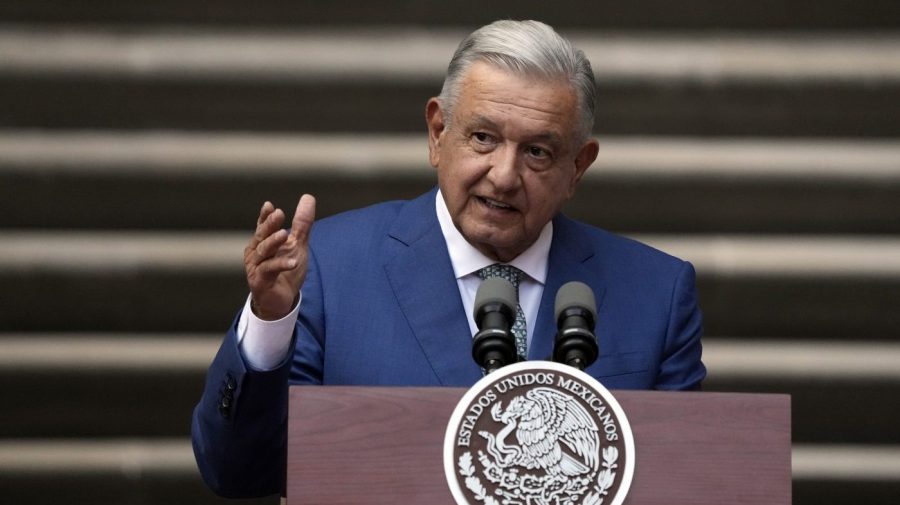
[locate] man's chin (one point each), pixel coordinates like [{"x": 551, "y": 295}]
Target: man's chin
[{"x": 493, "y": 244}]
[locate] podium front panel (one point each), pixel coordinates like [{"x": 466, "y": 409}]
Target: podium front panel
[{"x": 377, "y": 445}]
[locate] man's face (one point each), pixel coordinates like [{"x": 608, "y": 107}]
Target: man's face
[{"x": 509, "y": 158}]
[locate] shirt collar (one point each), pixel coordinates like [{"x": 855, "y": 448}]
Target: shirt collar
[{"x": 468, "y": 260}]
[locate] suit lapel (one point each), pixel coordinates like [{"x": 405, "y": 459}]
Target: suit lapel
[
  {"x": 568, "y": 254},
  {"x": 422, "y": 278},
  {"x": 424, "y": 284}
]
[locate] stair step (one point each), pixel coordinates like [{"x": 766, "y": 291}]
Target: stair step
[
  {"x": 147, "y": 384},
  {"x": 721, "y": 255},
  {"x": 128, "y": 354},
  {"x": 106, "y": 179},
  {"x": 102, "y": 385},
  {"x": 726, "y": 358},
  {"x": 128, "y": 458},
  {"x": 786, "y": 359},
  {"x": 643, "y": 14},
  {"x": 420, "y": 54},
  {"x": 846, "y": 474},
  {"x": 378, "y": 80},
  {"x": 104, "y": 471},
  {"x": 847, "y": 463},
  {"x": 838, "y": 389},
  {"x": 822, "y": 257},
  {"x": 814, "y": 287},
  {"x": 160, "y": 471},
  {"x": 809, "y": 287}
]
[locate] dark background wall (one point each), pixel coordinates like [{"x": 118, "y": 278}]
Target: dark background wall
[{"x": 758, "y": 139}]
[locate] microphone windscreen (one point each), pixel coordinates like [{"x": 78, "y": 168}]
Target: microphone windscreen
[
  {"x": 496, "y": 290},
  {"x": 575, "y": 294}
]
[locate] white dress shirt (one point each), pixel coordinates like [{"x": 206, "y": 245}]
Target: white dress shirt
[
  {"x": 266, "y": 344},
  {"x": 467, "y": 261}
]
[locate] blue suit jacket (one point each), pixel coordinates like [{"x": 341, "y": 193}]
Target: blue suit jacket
[{"x": 381, "y": 306}]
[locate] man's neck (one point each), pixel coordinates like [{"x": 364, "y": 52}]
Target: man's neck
[{"x": 467, "y": 259}]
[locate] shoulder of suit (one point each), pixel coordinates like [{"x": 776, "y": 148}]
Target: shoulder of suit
[
  {"x": 611, "y": 246},
  {"x": 357, "y": 221}
]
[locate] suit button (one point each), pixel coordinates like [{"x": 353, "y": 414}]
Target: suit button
[
  {"x": 225, "y": 406},
  {"x": 230, "y": 383}
]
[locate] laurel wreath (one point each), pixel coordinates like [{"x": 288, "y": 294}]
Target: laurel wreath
[
  {"x": 473, "y": 483},
  {"x": 605, "y": 478}
]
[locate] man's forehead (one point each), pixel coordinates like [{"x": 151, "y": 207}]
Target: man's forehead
[
  {"x": 484, "y": 78},
  {"x": 537, "y": 107}
]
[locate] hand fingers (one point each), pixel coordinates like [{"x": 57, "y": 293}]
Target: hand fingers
[
  {"x": 303, "y": 218},
  {"x": 264, "y": 212},
  {"x": 269, "y": 225},
  {"x": 269, "y": 236},
  {"x": 269, "y": 247},
  {"x": 274, "y": 266}
]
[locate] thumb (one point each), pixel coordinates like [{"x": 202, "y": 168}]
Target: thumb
[{"x": 303, "y": 218}]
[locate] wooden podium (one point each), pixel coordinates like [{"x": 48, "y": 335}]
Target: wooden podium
[{"x": 376, "y": 445}]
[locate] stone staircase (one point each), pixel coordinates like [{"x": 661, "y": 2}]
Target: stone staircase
[{"x": 760, "y": 140}]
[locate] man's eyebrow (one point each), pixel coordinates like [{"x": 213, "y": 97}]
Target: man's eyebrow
[
  {"x": 549, "y": 137},
  {"x": 479, "y": 121}
]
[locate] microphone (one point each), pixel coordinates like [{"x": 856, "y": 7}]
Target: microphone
[
  {"x": 494, "y": 346},
  {"x": 576, "y": 315}
]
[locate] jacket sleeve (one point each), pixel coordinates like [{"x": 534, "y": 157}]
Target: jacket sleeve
[
  {"x": 681, "y": 366},
  {"x": 239, "y": 426}
]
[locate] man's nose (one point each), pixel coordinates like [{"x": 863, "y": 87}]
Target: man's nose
[{"x": 504, "y": 172}]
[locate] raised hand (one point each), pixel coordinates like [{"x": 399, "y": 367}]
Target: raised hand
[{"x": 275, "y": 260}]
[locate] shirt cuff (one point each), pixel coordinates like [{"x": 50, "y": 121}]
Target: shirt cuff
[{"x": 264, "y": 345}]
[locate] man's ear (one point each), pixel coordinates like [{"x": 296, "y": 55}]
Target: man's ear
[
  {"x": 585, "y": 157},
  {"x": 434, "y": 118}
]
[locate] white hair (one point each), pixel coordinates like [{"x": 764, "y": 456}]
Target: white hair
[{"x": 526, "y": 48}]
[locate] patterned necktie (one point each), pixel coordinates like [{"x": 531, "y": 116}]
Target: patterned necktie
[{"x": 514, "y": 276}]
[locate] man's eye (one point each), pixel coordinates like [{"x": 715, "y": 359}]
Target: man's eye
[
  {"x": 538, "y": 152},
  {"x": 481, "y": 137}
]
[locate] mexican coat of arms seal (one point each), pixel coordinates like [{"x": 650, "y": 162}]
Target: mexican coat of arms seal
[{"x": 538, "y": 433}]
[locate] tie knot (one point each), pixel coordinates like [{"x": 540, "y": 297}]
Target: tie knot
[{"x": 508, "y": 272}]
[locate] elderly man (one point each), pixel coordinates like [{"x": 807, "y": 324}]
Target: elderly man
[{"x": 384, "y": 295}]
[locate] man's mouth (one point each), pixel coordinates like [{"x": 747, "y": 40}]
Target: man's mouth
[{"x": 494, "y": 204}]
